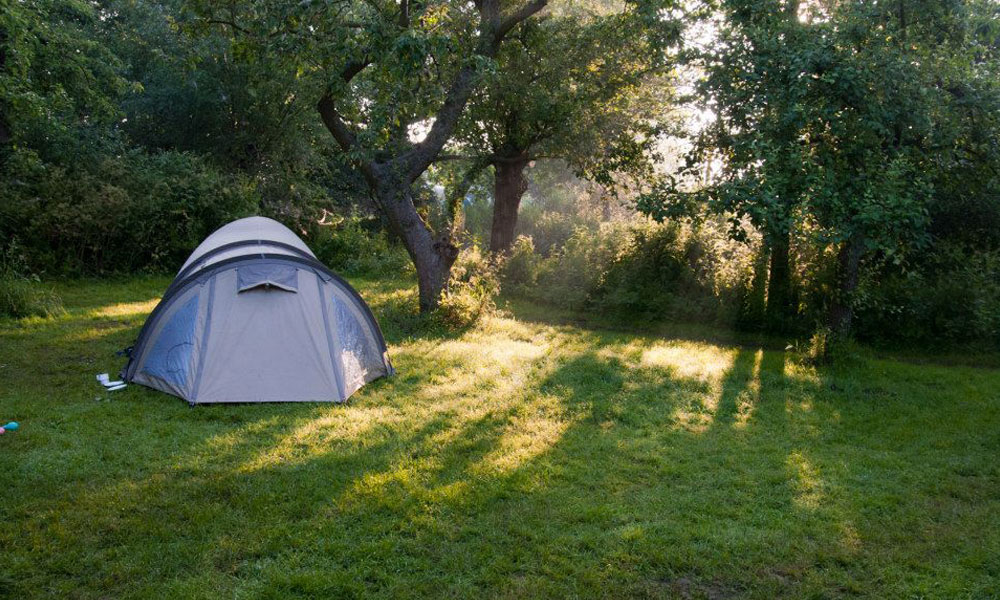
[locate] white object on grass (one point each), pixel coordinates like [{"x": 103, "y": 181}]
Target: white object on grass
[
  {"x": 115, "y": 388},
  {"x": 104, "y": 379}
]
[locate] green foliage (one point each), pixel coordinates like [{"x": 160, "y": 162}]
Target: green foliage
[
  {"x": 637, "y": 273},
  {"x": 855, "y": 123},
  {"x": 952, "y": 297},
  {"x": 125, "y": 213},
  {"x": 471, "y": 291},
  {"x": 550, "y": 230},
  {"x": 349, "y": 247},
  {"x": 58, "y": 82},
  {"x": 521, "y": 266},
  {"x": 21, "y": 293},
  {"x": 569, "y": 276},
  {"x": 589, "y": 84}
]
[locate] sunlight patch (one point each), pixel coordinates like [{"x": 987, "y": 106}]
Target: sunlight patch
[
  {"x": 315, "y": 437},
  {"x": 806, "y": 481},
  {"x": 692, "y": 419},
  {"x": 691, "y": 361},
  {"x": 746, "y": 402},
  {"x": 125, "y": 309},
  {"x": 502, "y": 352},
  {"x": 525, "y": 437},
  {"x": 94, "y": 333}
]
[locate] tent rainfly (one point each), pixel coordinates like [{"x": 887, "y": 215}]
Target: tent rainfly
[{"x": 253, "y": 316}]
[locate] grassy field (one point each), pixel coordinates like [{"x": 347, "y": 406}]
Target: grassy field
[{"x": 517, "y": 459}]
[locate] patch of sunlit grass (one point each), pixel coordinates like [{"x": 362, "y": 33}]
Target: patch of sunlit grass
[
  {"x": 316, "y": 436},
  {"x": 94, "y": 333},
  {"x": 124, "y": 309},
  {"x": 690, "y": 360},
  {"x": 528, "y": 434},
  {"x": 806, "y": 481}
]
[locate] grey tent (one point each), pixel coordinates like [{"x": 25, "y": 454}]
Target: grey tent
[{"x": 253, "y": 316}]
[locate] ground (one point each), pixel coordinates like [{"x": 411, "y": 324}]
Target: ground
[{"x": 515, "y": 459}]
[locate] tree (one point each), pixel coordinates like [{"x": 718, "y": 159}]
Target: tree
[
  {"x": 588, "y": 87},
  {"x": 830, "y": 116},
  {"x": 55, "y": 78},
  {"x": 374, "y": 70},
  {"x": 198, "y": 96}
]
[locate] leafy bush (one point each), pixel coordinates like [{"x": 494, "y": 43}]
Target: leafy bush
[
  {"x": 21, "y": 294},
  {"x": 350, "y": 247},
  {"x": 520, "y": 267},
  {"x": 569, "y": 276},
  {"x": 124, "y": 213},
  {"x": 550, "y": 230},
  {"x": 952, "y": 296},
  {"x": 637, "y": 272},
  {"x": 471, "y": 291}
]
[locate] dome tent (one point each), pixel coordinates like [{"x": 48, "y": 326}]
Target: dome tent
[{"x": 253, "y": 316}]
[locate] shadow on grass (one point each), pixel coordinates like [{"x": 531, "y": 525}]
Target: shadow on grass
[
  {"x": 535, "y": 463},
  {"x": 594, "y": 476}
]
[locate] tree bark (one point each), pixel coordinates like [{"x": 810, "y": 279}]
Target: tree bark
[
  {"x": 509, "y": 185},
  {"x": 848, "y": 267},
  {"x": 779, "y": 283},
  {"x": 432, "y": 255}
]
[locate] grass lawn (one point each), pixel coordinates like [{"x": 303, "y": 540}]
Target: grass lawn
[{"x": 517, "y": 459}]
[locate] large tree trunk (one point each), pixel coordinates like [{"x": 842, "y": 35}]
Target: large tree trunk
[
  {"x": 432, "y": 256},
  {"x": 779, "y": 283},
  {"x": 509, "y": 185},
  {"x": 848, "y": 268}
]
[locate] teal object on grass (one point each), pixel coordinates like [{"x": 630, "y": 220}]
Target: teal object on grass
[{"x": 12, "y": 426}]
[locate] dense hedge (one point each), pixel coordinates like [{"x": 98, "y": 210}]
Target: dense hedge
[{"x": 124, "y": 213}]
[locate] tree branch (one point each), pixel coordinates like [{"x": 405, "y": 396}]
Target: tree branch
[
  {"x": 354, "y": 67},
  {"x": 456, "y": 198},
  {"x": 228, "y": 24},
  {"x": 520, "y": 15},
  {"x": 335, "y": 123},
  {"x": 492, "y": 31}
]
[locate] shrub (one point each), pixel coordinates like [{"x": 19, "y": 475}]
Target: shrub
[
  {"x": 471, "y": 291},
  {"x": 568, "y": 277},
  {"x": 550, "y": 230},
  {"x": 520, "y": 268},
  {"x": 351, "y": 247},
  {"x": 123, "y": 213},
  {"x": 951, "y": 297},
  {"x": 638, "y": 272},
  {"x": 21, "y": 294}
]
